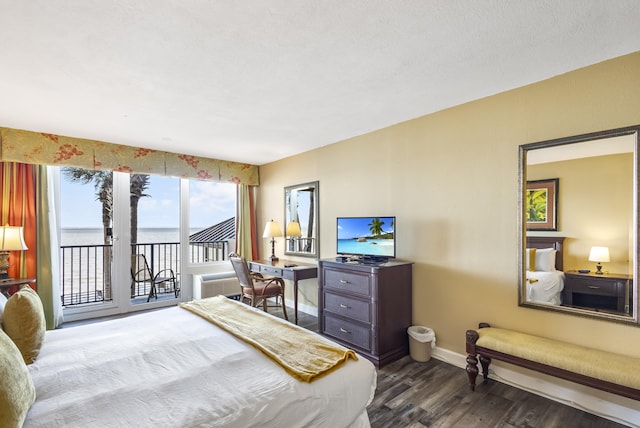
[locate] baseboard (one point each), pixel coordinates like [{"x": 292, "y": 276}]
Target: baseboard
[
  {"x": 609, "y": 406},
  {"x": 307, "y": 309}
]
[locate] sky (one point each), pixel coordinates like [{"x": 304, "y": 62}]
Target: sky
[
  {"x": 211, "y": 203},
  {"x": 354, "y": 227}
]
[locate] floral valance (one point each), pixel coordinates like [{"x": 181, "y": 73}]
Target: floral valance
[{"x": 47, "y": 149}]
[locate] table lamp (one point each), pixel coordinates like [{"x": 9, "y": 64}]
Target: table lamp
[
  {"x": 599, "y": 254},
  {"x": 293, "y": 231},
  {"x": 272, "y": 230},
  {"x": 11, "y": 239}
]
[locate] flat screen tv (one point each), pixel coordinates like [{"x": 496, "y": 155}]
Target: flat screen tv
[{"x": 367, "y": 237}]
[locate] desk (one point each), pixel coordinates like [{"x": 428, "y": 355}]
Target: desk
[
  {"x": 295, "y": 273},
  {"x": 6, "y": 284}
]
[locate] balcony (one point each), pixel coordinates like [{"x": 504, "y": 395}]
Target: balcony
[{"x": 85, "y": 270}]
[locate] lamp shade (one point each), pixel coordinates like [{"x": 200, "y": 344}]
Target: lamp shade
[
  {"x": 293, "y": 229},
  {"x": 272, "y": 230},
  {"x": 12, "y": 239},
  {"x": 599, "y": 254}
]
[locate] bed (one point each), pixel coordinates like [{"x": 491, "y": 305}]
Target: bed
[
  {"x": 545, "y": 282},
  {"x": 172, "y": 368}
]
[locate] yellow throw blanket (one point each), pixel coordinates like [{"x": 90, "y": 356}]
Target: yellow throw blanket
[{"x": 303, "y": 354}]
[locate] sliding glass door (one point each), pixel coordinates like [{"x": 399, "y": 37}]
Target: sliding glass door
[
  {"x": 128, "y": 240},
  {"x": 86, "y": 202},
  {"x": 120, "y": 241},
  {"x": 155, "y": 238}
]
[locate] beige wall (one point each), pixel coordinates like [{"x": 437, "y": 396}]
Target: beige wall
[
  {"x": 451, "y": 178},
  {"x": 595, "y": 208}
]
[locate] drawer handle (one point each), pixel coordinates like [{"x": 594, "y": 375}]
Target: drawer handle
[
  {"x": 344, "y": 331},
  {"x": 344, "y": 281},
  {"x": 342, "y": 305},
  {"x": 593, "y": 287}
]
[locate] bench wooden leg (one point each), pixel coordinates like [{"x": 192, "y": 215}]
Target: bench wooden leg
[
  {"x": 485, "y": 361},
  {"x": 472, "y": 362},
  {"x": 472, "y": 370}
]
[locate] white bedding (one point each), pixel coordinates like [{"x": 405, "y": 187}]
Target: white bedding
[
  {"x": 171, "y": 368},
  {"x": 545, "y": 287}
]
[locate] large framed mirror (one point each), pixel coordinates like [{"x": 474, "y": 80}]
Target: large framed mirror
[
  {"x": 578, "y": 217},
  {"x": 301, "y": 220}
]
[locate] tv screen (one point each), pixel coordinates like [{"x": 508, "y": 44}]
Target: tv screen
[{"x": 373, "y": 237}]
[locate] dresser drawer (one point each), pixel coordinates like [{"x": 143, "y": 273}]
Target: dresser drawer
[
  {"x": 352, "y": 282},
  {"x": 347, "y": 307},
  {"x": 595, "y": 286},
  {"x": 347, "y": 331}
]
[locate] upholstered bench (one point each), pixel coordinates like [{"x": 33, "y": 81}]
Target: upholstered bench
[{"x": 603, "y": 370}]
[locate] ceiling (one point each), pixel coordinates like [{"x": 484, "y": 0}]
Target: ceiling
[{"x": 256, "y": 81}]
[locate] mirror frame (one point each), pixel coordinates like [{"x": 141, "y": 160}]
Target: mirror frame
[
  {"x": 522, "y": 234},
  {"x": 314, "y": 187}
]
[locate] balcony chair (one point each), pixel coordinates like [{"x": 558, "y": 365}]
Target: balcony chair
[
  {"x": 141, "y": 273},
  {"x": 255, "y": 288}
]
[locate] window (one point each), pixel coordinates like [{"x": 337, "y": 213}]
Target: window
[
  {"x": 109, "y": 221},
  {"x": 212, "y": 210}
]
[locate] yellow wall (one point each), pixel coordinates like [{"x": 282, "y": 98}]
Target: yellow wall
[
  {"x": 451, "y": 178},
  {"x": 595, "y": 208}
]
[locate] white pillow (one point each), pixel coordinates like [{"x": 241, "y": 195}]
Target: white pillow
[{"x": 545, "y": 260}]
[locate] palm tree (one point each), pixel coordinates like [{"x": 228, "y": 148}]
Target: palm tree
[
  {"x": 376, "y": 226},
  {"x": 138, "y": 184},
  {"x": 103, "y": 184}
]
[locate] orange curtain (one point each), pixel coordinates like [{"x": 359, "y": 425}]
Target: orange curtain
[{"x": 18, "y": 192}]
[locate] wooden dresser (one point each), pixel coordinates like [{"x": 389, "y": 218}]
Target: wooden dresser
[
  {"x": 610, "y": 292},
  {"x": 366, "y": 307}
]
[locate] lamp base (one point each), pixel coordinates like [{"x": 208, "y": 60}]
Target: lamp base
[
  {"x": 599, "y": 269},
  {"x": 4, "y": 264},
  {"x": 4, "y": 276},
  {"x": 273, "y": 257}
]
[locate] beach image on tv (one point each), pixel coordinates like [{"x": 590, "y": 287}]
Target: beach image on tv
[{"x": 366, "y": 236}]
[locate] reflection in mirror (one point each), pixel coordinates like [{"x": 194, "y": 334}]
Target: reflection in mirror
[
  {"x": 301, "y": 219},
  {"x": 578, "y": 212}
]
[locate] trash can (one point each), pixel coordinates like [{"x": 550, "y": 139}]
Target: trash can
[{"x": 421, "y": 340}]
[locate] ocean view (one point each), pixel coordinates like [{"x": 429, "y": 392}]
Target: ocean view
[{"x": 94, "y": 236}]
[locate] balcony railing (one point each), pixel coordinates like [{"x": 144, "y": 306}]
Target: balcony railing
[{"x": 86, "y": 274}]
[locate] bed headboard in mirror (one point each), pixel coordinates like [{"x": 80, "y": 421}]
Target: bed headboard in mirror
[
  {"x": 586, "y": 189},
  {"x": 555, "y": 242}
]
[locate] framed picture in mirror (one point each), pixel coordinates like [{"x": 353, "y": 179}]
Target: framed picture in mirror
[{"x": 541, "y": 204}]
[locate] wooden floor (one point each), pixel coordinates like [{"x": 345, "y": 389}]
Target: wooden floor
[{"x": 436, "y": 394}]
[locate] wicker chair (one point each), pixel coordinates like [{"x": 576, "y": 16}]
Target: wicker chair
[{"x": 255, "y": 288}]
